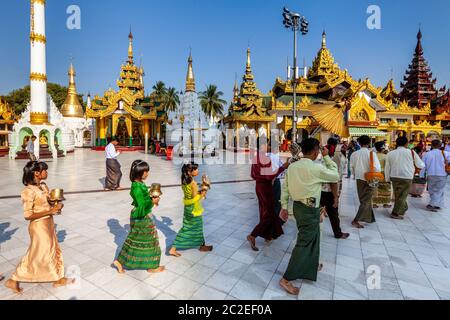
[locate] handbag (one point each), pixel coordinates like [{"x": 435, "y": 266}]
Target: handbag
[
  {"x": 373, "y": 177},
  {"x": 447, "y": 165},
  {"x": 416, "y": 170}
]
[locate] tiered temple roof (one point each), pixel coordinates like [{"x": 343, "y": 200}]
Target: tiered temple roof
[
  {"x": 247, "y": 105},
  {"x": 131, "y": 94},
  {"x": 418, "y": 88}
]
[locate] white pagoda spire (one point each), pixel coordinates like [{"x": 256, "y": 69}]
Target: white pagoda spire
[{"x": 38, "y": 70}]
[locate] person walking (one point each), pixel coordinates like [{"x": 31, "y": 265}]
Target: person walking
[
  {"x": 30, "y": 148},
  {"x": 113, "y": 172},
  {"x": 435, "y": 170},
  {"x": 141, "y": 250},
  {"x": 269, "y": 226},
  {"x": 303, "y": 184},
  {"x": 360, "y": 164},
  {"x": 383, "y": 192},
  {"x": 43, "y": 262},
  {"x": 401, "y": 166}
]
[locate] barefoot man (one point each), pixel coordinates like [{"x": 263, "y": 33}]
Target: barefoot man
[
  {"x": 303, "y": 184},
  {"x": 113, "y": 173}
]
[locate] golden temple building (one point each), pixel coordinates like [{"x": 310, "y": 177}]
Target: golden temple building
[
  {"x": 127, "y": 114},
  {"x": 247, "y": 112},
  {"x": 7, "y": 120},
  {"x": 330, "y": 99}
]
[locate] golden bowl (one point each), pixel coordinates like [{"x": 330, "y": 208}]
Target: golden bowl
[
  {"x": 155, "y": 190},
  {"x": 57, "y": 195}
]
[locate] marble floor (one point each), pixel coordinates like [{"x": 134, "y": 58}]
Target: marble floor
[{"x": 390, "y": 259}]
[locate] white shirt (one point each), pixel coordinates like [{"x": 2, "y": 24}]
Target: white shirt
[
  {"x": 435, "y": 163},
  {"x": 276, "y": 163},
  {"x": 447, "y": 147},
  {"x": 400, "y": 164},
  {"x": 360, "y": 163},
  {"x": 30, "y": 146},
  {"x": 111, "y": 152}
]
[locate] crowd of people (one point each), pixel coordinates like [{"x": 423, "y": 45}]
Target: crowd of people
[
  {"x": 383, "y": 178},
  {"x": 313, "y": 182}
]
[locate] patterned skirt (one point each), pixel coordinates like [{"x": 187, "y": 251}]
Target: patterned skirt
[
  {"x": 141, "y": 248},
  {"x": 191, "y": 234},
  {"x": 383, "y": 193}
]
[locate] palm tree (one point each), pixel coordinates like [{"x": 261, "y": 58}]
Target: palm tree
[
  {"x": 159, "y": 90},
  {"x": 170, "y": 100},
  {"x": 211, "y": 103}
]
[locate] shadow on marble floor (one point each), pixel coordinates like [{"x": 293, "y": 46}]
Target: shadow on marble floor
[
  {"x": 102, "y": 181},
  {"x": 6, "y": 235},
  {"x": 120, "y": 234},
  {"x": 163, "y": 226}
]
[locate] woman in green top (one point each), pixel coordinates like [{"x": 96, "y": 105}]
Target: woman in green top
[
  {"x": 191, "y": 234},
  {"x": 141, "y": 248}
]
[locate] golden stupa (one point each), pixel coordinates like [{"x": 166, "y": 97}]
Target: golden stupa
[{"x": 72, "y": 106}]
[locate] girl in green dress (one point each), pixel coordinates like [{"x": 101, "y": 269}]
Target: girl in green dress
[
  {"x": 191, "y": 234},
  {"x": 141, "y": 248}
]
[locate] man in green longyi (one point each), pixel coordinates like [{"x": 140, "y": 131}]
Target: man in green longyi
[{"x": 303, "y": 184}]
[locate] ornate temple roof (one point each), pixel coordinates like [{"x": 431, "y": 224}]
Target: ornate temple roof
[
  {"x": 131, "y": 93},
  {"x": 72, "y": 106},
  {"x": 247, "y": 103},
  {"x": 418, "y": 88},
  {"x": 7, "y": 114},
  {"x": 323, "y": 65}
]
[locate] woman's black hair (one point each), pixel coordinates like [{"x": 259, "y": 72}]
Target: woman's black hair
[
  {"x": 185, "y": 172},
  {"x": 30, "y": 169},
  {"x": 137, "y": 170}
]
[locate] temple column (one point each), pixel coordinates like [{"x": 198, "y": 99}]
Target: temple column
[
  {"x": 38, "y": 71},
  {"x": 102, "y": 131},
  {"x": 130, "y": 144},
  {"x": 238, "y": 127}
]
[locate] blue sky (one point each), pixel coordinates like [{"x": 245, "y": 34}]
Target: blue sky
[{"x": 219, "y": 32}]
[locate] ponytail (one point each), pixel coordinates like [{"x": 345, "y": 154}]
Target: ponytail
[
  {"x": 29, "y": 170},
  {"x": 138, "y": 168},
  {"x": 187, "y": 169}
]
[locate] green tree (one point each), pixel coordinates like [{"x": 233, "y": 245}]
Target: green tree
[
  {"x": 18, "y": 99},
  {"x": 171, "y": 100},
  {"x": 159, "y": 90},
  {"x": 211, "y": 102}
]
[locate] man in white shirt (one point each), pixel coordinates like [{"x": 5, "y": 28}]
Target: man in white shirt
[
  {"x": 401, "y": 166},
  {"x": 435, "y": 162},
  {"x": 360, "y": 165},
  {"x": 276, "y": 164},
  {"x": 113, "y": 173},
  {"x": 30, "y": 148}
]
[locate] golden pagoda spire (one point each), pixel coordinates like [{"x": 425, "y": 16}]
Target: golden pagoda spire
[
  {"x": 235, "y": 89},
  {"x": 324, "y": 39},
  {"x": 190, "y": 79},
  {"x": 323, "y": 64},
  {"x": 72, "y": 106},
  {"x": 130, "y": 47},
  {"x": 248, "y": 68}
]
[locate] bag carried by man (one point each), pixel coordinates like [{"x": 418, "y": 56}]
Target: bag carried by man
[
  {"x": 373, "y": 177},
  {"x": 447, "y": 165}
]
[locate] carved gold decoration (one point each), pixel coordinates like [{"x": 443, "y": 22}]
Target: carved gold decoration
[
  {"x": 362, "y": 111},
  {"x": 38, "y": 77},
  {"x": 39, "y": 2},
  {"x": 34, "y": 37},
  {"x": 38, "y": 118}
]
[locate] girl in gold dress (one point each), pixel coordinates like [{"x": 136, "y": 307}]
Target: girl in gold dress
[{"x": 43, "y": 261}]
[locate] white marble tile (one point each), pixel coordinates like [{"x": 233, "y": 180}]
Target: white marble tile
[
  {"x": 244, "y": 290},
  {"x": 416, "y": 292},
  {"x": 182, "y": 288},
  {"x": 207, "y": 293},
  {"x": 142, "y": 291}
]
